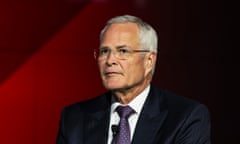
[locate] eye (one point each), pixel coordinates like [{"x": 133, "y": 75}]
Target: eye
[
  {"x": 103, "y": 51},
  {"x": 123, "y": 51}
]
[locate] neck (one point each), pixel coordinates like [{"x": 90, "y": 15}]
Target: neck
[{"x": 126, "y": 95}]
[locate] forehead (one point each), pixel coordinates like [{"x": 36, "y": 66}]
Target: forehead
[
  {"x": 123, "y": 27},
  {"x": 121, "y": 33}
]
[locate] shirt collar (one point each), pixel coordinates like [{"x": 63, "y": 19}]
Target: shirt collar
[{"x": 136, "y": 104}]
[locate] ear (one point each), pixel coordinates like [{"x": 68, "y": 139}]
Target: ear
[{"x": 150, "y": 61}]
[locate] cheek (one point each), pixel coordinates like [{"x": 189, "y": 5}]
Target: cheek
[
  {"x": 135, "y": 71},
  {"x": 100, "y": 66}
]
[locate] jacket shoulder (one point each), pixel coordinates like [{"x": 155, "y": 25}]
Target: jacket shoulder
[
  {"x": 91, "y": 105},
  {"x": 173, "y": 101}
]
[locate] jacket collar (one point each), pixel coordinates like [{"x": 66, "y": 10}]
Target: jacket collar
[{"x": 151, "y": 118}]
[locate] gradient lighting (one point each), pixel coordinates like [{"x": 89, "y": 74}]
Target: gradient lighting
[{"x": 46, "y": 63}]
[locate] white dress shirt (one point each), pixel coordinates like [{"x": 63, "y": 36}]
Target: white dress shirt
[{"x": 136, "y": 104}]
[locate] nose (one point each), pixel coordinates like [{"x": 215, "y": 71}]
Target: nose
[{"x": 111, "y": 58}]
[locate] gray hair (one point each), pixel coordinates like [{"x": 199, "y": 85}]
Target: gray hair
[{"x": 147, "y": 37}]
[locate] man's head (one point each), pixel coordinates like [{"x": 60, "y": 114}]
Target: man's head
[
  {"x": 127, "y": 53},
  {"x": 147, "y": 35}
]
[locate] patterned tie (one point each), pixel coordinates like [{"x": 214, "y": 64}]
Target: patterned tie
[{"x": 123, "y": 135}]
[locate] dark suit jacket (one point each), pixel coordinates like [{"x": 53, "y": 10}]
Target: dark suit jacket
[{"x": 165, "y": 119}]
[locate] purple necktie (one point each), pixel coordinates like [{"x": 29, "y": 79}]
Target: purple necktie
[{"x": 123, "y": 136}]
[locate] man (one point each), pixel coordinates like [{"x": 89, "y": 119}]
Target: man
[{"x": 126, "y": 59}]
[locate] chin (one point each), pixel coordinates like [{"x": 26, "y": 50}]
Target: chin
[{"x": 112, "y": 86}]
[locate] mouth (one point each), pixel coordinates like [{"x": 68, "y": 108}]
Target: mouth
[{"x": 110, "y": 74}]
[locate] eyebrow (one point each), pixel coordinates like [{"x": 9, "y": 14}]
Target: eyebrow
[
  {"x": 117, "y": 47},
  {"x": 121, "y": 46}
]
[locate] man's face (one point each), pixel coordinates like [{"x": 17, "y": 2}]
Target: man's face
[{"x": 122, "y": 73}]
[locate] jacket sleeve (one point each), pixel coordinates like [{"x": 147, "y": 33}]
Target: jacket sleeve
[
  {"x": 60, "y": 135},
  {"x": 196, "y": 127}
]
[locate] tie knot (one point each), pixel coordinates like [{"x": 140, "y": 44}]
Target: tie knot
[{"x": 124, "y": 111}]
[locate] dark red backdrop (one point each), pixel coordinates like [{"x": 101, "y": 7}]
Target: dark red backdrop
[{"x": 46, "y": 59}]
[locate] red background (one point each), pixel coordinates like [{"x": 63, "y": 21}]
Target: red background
[{"x": 46, "y": 59}]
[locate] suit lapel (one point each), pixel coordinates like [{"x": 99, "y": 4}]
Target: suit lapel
[
  {"x": 96, "y": 124},
  {"x": 151, "y": 119},
  {"x": 96, "y": 128}
]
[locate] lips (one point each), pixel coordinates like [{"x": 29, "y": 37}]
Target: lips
[{"x": 111, "y": 73}]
